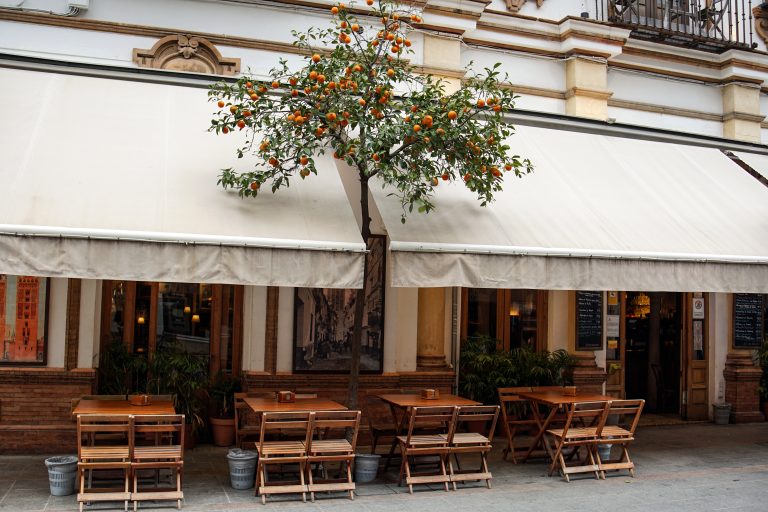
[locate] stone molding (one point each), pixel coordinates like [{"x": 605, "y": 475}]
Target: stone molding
[
  {"x": 187, "y": 53},
  {"x": 761, "y": 22},
  {"x": 516, "y": 5}
]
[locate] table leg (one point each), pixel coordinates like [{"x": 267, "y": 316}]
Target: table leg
[
  {"x": 543, "y": 426},
  {"x": 399, "y": 425}
]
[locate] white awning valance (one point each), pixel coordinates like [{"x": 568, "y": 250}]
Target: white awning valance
[
  {"x": 111, "y": 179},
  {"x": 598, "y": 213}
]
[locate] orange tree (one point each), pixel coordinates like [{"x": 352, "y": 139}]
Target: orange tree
[{"x": 358, "y": 96}]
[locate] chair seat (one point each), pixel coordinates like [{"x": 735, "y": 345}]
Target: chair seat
[
  {"x": 616, "y": 432},
  {"x": 331, "y": 446},
  {"x": 574, "y": 433},
  {"x": 423, "y": 440},
  {"x": 157, "y": 452},
  {"x": 103, "y": 452},
  {"x": 282, "y": 448},
  {"x": 470, "y": 438}
]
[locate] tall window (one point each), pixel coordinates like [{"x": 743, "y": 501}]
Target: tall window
[
  {"x": 517, "y": 318},
  {"x": 203, "y": 318}
]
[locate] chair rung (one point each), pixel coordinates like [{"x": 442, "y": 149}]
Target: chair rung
[
  {"x": 336, "y": 486},
  {"x": 282, "y": 489},
  {"x": 157, "y": 495},
  {"x": 103, "y": 496},
  {"x": 427, "y": 479},
  {"x": 463, "y": 477}
]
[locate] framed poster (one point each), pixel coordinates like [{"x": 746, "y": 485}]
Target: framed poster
[
  {"x": 589, "y": 320},
  {"x": 23, "y": 320},
  {"x": 747, "y": 320},
  {"x": 324, "y": 319}
]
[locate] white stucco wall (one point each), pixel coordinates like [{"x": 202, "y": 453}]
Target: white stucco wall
[
  {"x": 90, "y": 324},
  {"x": 57, "y": 322},
  {"x": 720, "y": 325},
  {"x": 285, "y": 330},
  {"x": 254, "y": 327},
  {"x": 557, "y": 319}
]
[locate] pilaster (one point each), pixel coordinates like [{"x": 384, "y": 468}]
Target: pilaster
[
  {"x": 742, "y": 378},
  {"x": 741, "y": 112},
  {"x": 586, "y": 80},
  {"x": 430, "y": 334}
]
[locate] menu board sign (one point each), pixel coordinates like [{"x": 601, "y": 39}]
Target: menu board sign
[
  {"x": 589, "y": 320},
  {"x": 747, "y": 320}
]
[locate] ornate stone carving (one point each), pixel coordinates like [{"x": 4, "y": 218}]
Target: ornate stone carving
[
  {"x": 186, "y": 53},
  {"x": 516, "y": 5},
  {"x": 761, "y": 22}
]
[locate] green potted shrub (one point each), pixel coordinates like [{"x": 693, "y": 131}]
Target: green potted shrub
[
  {"x": 483, "y": 368},
  {"x": 176, "y": 372},
  {"x": 762, "y": 360},
  {"x": 222, "y": 392}
]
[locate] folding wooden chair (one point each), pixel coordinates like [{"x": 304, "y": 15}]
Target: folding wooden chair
[
  {"x": 626, "y": 415},
  {"x": 484, "y": 416},
  {"x": 328, "y": 443},
  {"x": 414, "y": 445},
  {"x": 518, "y": 419},
  {"x": 247, "y": 422},
  {"x": 104, "y": 456},
  {"x": 167, "y": 452},
  {"x": 282, "y": 452},
  {"x": 103, "y": 397},
  {"x": 573, "y": 437}
]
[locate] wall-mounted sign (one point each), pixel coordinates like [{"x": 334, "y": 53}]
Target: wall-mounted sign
[
  {"x": 698, "y": 308},
  {"x": 747, "y": 320},
  {"x": 589, "y": 320},
  {"x": 612, "y": 326}
]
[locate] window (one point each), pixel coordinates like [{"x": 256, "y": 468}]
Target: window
[
  {"x": 203, "y": 318},
  {"x": 23, "y": 316},
  {"x": 517, "y": 318}
]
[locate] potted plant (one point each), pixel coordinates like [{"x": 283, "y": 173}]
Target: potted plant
[
  {"x": 222, "y": 392},
  {"x": 762, "y": 389},
  {"x": 177, "y": 372}
]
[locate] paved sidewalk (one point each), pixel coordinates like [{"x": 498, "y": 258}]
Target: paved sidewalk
[{"x": 695, "y": 467}]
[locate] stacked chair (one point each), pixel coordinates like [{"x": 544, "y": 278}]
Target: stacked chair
[
  {"x": 465, "y": 440},
  {"x": 328, "y": 443},
  {"x": 626, "y": 415},
  {"x": 162, "y": 449},
  {"x": 98, "y": 455},
  {"x": 575, "y": 444}
]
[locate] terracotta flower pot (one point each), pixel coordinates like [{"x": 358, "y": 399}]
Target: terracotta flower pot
[{"x": 223, "y": 430}]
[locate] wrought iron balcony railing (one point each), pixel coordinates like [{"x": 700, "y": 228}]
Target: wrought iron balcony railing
[{"x": 712, "y": 25}]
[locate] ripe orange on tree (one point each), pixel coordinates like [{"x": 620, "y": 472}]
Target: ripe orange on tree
[{"x": 255, "y": 185}]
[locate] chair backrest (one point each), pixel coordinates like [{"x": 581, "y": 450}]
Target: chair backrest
[
  {"x": 486, "y": 414},
  {"x": 330, "y": 425},
  {"x": 625, "y": 413},
  {"x": 442, "y": 416},
  {"x": 90, "y": 426},
  {"x": 102, "y": 397},
  {"x": 590, "y": 414},
  {"x": 291, "y": 423},
  {"x": 306, "y": 395},
  {"x": 514, "y": 408},
  {"x": 166, "y": 428},
  {"x": 547, "y": 388}
]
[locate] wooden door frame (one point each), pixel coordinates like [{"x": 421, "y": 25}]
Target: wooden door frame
[{"x": 694, "y": 377}]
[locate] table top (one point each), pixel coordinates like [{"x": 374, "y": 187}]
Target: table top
[
  {"x": 260, "y": 405},
  {"x": 411, "y": 400},
  {"x": 558, "y": 398},
  {"x": 122, "y": 407}
]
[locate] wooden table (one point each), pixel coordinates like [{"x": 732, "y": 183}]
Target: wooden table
[
  {"x": 262, "y": 405},
  {"x": 555, "y": 400},
  {"x": 122, "y": 407}
]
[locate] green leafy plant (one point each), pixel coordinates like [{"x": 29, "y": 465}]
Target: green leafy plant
[
  {"x": 120, "y": 371},
  {"x": 222, "y": 391},
  {"x": 484, "y": 368},
  {"x": 358, "y": 96},
  {"x": 175, "y": 371}
]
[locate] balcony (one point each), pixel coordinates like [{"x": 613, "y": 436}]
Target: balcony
[{"x": 709, "y": 25}]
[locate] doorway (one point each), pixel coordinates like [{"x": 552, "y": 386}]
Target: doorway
[{"x": 653, "y": 334}]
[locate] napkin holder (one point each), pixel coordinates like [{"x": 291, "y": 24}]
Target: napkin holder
[
  {"x": 569, "y": 390},
  {"x": 430, "y": 394},
  {"x": 286, "y": 397}
]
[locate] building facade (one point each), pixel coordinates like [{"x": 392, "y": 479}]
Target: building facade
[{"x": 112, "y": 220}]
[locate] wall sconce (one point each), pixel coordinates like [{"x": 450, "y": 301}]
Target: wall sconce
[
  {"x": 140, "y": 320},
  {"x": 195, "y": 319},
  {"x": 187, "y": 310},
  {"x": 514, "y": 311}
]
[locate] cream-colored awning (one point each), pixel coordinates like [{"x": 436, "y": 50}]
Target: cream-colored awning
[
  {"x": 112, "y": 179},
  {"x": 758, "y": 162},
  {"x": 598, "y": 213}
]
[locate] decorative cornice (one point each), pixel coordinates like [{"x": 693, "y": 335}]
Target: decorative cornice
[
  {"x": 744, "y": 116},
  {"x": 516, "y": 5},
  {"x": 761, "y": 22},
  {"x": 660, "y": 109},
  {"x": 588, "y": 93},
  {"x": 186, "y": 53}
]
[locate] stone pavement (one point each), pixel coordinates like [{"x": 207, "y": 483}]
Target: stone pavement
[{"x": 693, "y": 467}]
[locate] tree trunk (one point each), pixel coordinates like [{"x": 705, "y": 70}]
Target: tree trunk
[{"x": 357, "y": 330}]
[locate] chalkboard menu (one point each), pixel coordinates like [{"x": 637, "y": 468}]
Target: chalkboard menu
[
  {"x": 747, "y": 320},
  {"x": 589, "y": 320}
]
